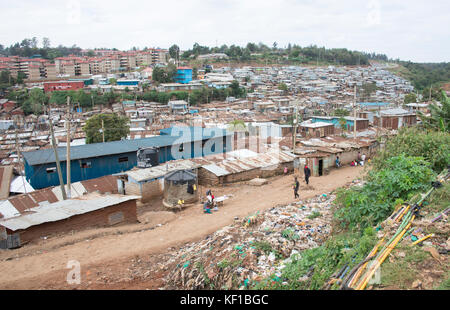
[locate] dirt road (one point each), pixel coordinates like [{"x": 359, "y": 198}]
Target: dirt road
[{"x": 33, "y": 269}]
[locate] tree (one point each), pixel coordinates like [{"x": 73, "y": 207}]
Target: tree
[
  {"x": 34, "y": 103},
  {"x": 237, "y": 125},
  {"x": 236, "y": 90},
  {"x": 440, "y": 116},
  {"x": 341, "y": 112},
  {"x": 46, "y": 43},
  {"x": 283, "y": 87},
  {"x": 164, "y": 75},
  {"x": 410, "y": 98},
  {"x": 116, "y": 127},
  {"x": 174, "y": 52},
  {"x": 343, "y": 123},
  {"x": 34, "y": 42}
]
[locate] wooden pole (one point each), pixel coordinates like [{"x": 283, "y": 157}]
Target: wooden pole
[
  {"x": 18, "y": 158},
  {"x": 103, "y": 131},
  {"x": 69, "y": 194},
  {"x": 354, "y": 114},
  {"x": 58, "y": 165},
  {"x": 294, "y": 142}
]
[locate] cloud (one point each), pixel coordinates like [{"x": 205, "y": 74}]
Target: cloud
[{"x": 413, "y": 30}]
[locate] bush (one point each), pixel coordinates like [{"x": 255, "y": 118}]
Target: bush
[
  {"x": 433, "y": 146},
  {"x": 370, "y": 204}
]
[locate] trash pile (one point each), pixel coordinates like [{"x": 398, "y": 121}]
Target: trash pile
[{"x": 252, "y": 248}]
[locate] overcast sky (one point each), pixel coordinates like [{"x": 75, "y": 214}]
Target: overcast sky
[{"x": 416, "y": 30}]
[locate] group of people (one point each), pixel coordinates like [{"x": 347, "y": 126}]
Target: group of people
[
  {"x": 296, "y": 186},
  {"x": 209, "y": 204},
  {"x": 359, "y": 161}
]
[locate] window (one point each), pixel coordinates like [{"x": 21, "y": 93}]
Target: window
[
  {"x": 86, "y": 165},
  {"x": 51, "y": 169},
  {"x": 123, "y": 159}
]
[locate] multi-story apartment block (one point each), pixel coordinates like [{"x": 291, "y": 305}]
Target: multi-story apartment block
[{"x": 105, "y": 61}]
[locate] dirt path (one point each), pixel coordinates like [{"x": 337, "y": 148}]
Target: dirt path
[{"x": 189, "y": 225}]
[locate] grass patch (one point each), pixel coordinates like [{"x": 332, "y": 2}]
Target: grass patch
[
  {"x": 439, "y": 199},
  {"x": 290, "y": 234},
  {"x": 321, "y": 262},
  {"x": 445, "y": 284},
  {"x": 264, "y": 246},
  {"x": 314, "y": 215},
  {"x": 398, "y": 274}
]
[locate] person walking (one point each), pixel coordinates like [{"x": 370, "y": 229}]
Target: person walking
[
  {"x": 307, "y": 174},
  {"x": 296, "y": 186}
]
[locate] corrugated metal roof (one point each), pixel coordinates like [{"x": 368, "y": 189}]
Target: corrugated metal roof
[
  {"x": 232, "y": 165},
  {"x": 119, "y": 147},
  {"x": 26, "y": 202},
  {"x": 147, "y": 174},
  {"x": 62, "y": 210}
]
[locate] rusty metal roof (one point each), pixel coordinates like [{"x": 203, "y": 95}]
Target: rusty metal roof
[
  {"x": 230, "y": 165},
  {"x": 21, "y": 204}
]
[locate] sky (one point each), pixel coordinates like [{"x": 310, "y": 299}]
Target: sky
[{"x": 415, "y": 30}]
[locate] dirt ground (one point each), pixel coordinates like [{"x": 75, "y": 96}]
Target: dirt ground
[{"x": 108, "y": 253}]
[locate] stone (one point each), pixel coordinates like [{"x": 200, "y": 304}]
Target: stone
[
  {"x": 257, "y": 182},
  {"x": 417, "y": 284}
]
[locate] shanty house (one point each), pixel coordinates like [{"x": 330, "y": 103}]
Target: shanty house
[
  {"x": 395, "y": 118},
  {"x": 99, "y": 159},
  {"x": 65, "y": 216}
]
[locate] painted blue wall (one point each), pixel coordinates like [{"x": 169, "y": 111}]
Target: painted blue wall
[
  {"x": 334, "y": 121},
  {"x": 38, "y": 177},
  {"x": 183, "y": 76}
]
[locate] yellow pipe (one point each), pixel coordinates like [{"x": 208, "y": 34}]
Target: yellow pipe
[
  {"x": 403, "y": 213},
  {"x": 420, "y": 240},
  {"x": 361, "y": 269},
  {"x": 383, "y": 256}
]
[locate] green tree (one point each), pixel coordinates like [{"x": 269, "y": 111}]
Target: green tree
[
  {"x": 434, "y": 146},
  {"x": 116, "y": 127},
  {"x": 174, "y": 52},
  {"x": 343, "y": 123},
  {"x": 341, "y": 112},
  {"x": 283, "y": 87},
  {"x": 237, "y": 125},
  {"x": 34, "y": 103},
  {"x": 410, "y": 98},
  {"x": 399, "y": 179},
  {"x": 440, "y": 115}
]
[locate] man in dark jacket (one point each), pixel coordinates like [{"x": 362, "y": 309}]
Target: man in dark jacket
[
  {"x": 307, "y": 174},
  {"x": 296, "y": 186}
]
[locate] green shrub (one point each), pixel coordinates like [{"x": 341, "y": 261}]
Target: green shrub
[
  {"x": 431, "y": 145},
  {"x": 370, "y": 204}
]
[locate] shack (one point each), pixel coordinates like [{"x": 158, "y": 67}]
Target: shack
[
  {"x": 65, "y": 216},
  {"x": 99, "y": 159},
  {"x": 180, "y": 185}
]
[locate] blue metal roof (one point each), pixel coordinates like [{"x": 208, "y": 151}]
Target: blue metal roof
[
  {"x": 116, "y": 147},
  {"x": 195, "y": 132},
  {"x": 374, "y": 104}
]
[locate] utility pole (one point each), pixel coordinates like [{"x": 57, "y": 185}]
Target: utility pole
[
  {"x": 18, "y": 158},
  {"x": 58, "y": 165},
  {"x": 103, "y": 131},
  {"x": 69, "y": 194},
  {"x": 354, "y": 114},
  {"x": 294, "y": 140}
]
